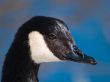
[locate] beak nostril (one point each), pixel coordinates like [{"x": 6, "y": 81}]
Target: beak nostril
[{"x": 77, "y": 51}]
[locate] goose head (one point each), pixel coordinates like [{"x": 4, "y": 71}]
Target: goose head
[{"x": 50, "y": 40}]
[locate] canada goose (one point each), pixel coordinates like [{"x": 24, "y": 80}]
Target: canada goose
[{"x": 41, "y": 39}]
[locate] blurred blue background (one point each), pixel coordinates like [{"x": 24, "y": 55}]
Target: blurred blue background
[{"x": 89, "y": 23}]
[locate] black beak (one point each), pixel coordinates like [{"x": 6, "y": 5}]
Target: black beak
[{"x": 78, "y": 56}]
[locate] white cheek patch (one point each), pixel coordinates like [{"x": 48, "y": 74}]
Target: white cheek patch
[{"x": 39, "y": 51}]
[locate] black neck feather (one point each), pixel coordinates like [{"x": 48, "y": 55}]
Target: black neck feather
[{"x": 18, "y": 65}]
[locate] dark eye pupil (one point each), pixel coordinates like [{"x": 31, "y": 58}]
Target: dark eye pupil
[{"x": 52, "y": 36}]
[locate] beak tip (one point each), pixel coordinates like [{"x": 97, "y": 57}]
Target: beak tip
[
  {"x": 90, "y": 60},
  {"x": 93, "y": 62}
]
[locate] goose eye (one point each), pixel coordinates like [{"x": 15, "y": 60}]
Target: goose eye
[{"x": 52, "y": 36}]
